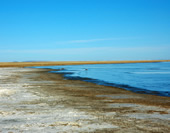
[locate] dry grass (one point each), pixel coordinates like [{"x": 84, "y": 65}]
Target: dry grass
[{"x": 53, "y": 63}]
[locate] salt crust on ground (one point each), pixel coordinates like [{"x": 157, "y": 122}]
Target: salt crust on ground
[
  {"x": 18, "y": 117},
  {"x": 20, "y": 111}
]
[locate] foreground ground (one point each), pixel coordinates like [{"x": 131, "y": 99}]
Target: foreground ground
[{"x": 33, "y": 100}]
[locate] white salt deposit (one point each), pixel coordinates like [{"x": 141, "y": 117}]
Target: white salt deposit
[
  {"x": 6, "y": 92},
  {"x": 22, "y": 110}
]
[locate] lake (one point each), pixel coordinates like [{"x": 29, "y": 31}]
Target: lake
[{"x": 149, "y": 78}]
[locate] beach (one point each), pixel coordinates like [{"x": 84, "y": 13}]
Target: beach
[
  {"x": 84, "y": 66},
  {"x": 34, "y": 100}
]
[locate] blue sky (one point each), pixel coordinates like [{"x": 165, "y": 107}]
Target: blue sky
[{"x": 56, "y": 30}]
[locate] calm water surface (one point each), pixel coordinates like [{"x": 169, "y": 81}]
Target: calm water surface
[{"x": 152, "y": 78}]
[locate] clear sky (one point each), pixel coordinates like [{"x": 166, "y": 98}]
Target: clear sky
[{"x": 56, "y": 30}]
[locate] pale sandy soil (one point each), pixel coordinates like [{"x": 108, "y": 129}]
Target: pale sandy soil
[{"x": 33, "y": 100}]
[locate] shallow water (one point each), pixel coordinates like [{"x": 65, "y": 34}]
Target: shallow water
[{"x": 152, "y": 78}]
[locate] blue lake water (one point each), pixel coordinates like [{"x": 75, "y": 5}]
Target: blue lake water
[{"x": 151, "y": 78}]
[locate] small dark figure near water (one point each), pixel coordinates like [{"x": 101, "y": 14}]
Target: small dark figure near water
[{"x": 61, "y": 69}]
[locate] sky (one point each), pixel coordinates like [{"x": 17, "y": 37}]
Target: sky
[{"x": 84, "y": 30}]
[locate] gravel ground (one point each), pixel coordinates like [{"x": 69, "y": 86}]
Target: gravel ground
[{"x": 33, "y": 100}]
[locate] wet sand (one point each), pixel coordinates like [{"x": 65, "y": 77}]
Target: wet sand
[{"x": 33, "y": 100}]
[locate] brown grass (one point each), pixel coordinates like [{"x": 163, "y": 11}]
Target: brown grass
[{"x": 53, "y": 63}]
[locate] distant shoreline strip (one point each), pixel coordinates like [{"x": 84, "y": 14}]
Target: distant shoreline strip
[{"x": 57, "y": 63}]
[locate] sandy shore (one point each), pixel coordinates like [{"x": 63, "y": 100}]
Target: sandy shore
[{"x": 33, "y": 100}]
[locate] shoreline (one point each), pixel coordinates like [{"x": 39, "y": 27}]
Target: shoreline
[
  {"x": 121, "y": 86},
  {"x": 34, "y": 100},
  {"x": 54, "y": 63}
]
